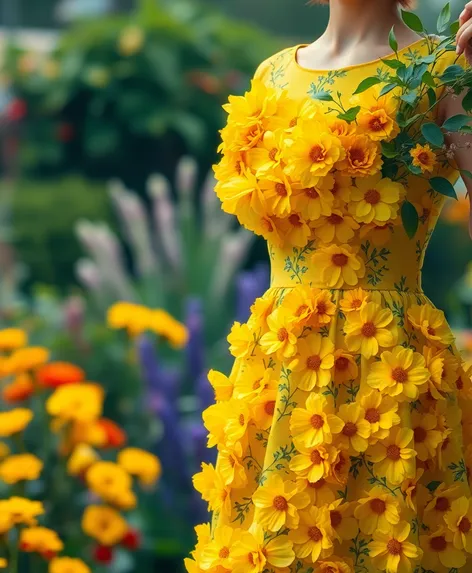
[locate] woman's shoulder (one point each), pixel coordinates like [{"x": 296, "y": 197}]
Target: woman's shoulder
[{"x": 277, "y": 61}]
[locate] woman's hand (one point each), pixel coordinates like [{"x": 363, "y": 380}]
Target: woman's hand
[{"x": 464, "y": 35}]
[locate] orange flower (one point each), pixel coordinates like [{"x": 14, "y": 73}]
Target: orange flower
[
  {"x": 423, "y": 157},
  {"x": 56, "y": 374},
  {"x": 19, "y": 390},
  {"x": 114, "y": 436}
]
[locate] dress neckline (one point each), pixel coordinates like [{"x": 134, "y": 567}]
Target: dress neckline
[{"x": 352, "y": 66}]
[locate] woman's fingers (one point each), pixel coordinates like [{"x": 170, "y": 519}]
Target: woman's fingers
[
  {"x": 466, "y": 13},
  {"x": 464, "y": 38}
]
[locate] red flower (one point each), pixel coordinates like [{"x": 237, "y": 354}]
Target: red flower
[
  {"x": 16, "y": 110},
  {"x": 65, "y": 132},
  {"x": 103, "y": 554},
  {"x": 19, "y": 390},
  {"x": 115, "y": 437},
  {"x": 132, "y": 540},
  {"x": 48, "y": 555},
  {"x": 57, "y": 374}
]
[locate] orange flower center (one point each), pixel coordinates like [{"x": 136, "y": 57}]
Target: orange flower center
[
  {"x": 399, "y": 375},
  {"x": 394, "y": 547},
  {"x": 378, "y": 506},
  {"x": 338, "y": 466},
  {"x": 295, "y": 220},
  {"x": 372, "y": 196},
  {"x": 465, "y": 525},
  {"x": 393, "y": 452},
  {"x": 423, "y": 158},
  {"x": 242, "y": 420},
  {"x": 257, "y": 384},
  {"x": 315, "y": 457},
  {"x": 312, "y": 192},
  {"x": 282, "y": 334},
  {"x": 445, "y": 443},
  {"x": 317, "y": 421},
  {"x": 442, "y": 504},
  {"x": 321, "y": 307},
  {"x": 350, "y": 429},
  {"x": 267, "y": 224},
  {"x": 273, "y": 154},
  {"x": 301, "y": 310},
  {"x": 269, "y": 407},
  {"x": 317, "y": 484},
  {"x": 342, "y": 364},
  {"x": 356, "y": 303},
  {"x": 238, "y": 168},
  {"x": 281, "y": 190},
  {"x": 438, "y": 543},
  {"x": 372, "y": 415},
  {"x": 340, "y": 259},
  {"x": 335, "y": 188},
  {"x": 336, "y": 518},
  {"x": 335, "y": 219},
  {"x": 369, "y": 329},
  {"x": 459, "y": 383},
  {"x": 431, "y": 331},
  {"x": 293, "y": 122},
  {"x": 313, "y": 363},
  {"x": 317, "y": 153},
  {"x": 375, "y": 124},
  {"x": 420, "y": 434},
  {"x": 224, "y": 553},
  {"x": 280, "y": 503},
  {"x": 315, "y": 534},
  {"x": 357, "y": 155}
]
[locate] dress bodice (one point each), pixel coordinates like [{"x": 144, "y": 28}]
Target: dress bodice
[{"x": 341, "y": 218}]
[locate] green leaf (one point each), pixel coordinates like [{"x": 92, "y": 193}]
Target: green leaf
[
  {"x": 428, "y": 79},
  {"x": 392, "y": 40},
  {"x": 410, "y": 219},
  {"x": 389, "y": 149},
  {"x": 387, "y": 89},
  {"x": 410, "y": 97},
  {"x": 444, "y": 18},
  {"x": 456, "y": 122},
  {"x": 351, "y": 114},
  {"x": 428, "y": 59},
  {"x": 467, "y": 101},
  {"x": 433, "y": 485},
  {"x": 466, "y": 173},
  {"x": 366, "y": 84},
  {"x": 451, "y": 73},
  {"x": 412, "y": 21},
  {"x": 412, "y": 119},
  {"x": 414, "y": 169},
  {"x": 393, "y": 63},
  {"x": 443, "y": 186},
  {"x": 454, "y": 28},
  {"x": 433, "y": 134},
  {"x": 432, "y": 98},
  {"x": 323, "y": 96}
]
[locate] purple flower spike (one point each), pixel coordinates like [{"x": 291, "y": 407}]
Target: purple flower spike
[
  {"x": 195, "y": 350},
  {"x": 249, "y": 286},
  {"x": 201, "y": 452},
  {"x": 204, "y": 391},
  {"x": 164, "y": 380}
]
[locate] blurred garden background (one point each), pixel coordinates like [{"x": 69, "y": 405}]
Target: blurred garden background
[{"x": 109, "y": 119}]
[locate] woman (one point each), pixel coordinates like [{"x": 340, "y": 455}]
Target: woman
[{"x": 344, "y": 432}]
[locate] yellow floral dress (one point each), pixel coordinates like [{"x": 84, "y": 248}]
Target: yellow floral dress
[{"x": 344, "y": 428}]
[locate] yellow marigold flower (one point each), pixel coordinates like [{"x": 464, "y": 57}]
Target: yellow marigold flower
[
  {"x": 222, "y": 385},
  {"x": 375, "y": 200},
  {"x": 314, "y": 536},
  {"x": 278, "y": 502},
  {"x": 334, "y": 564},
  {"x": 393, "y": 458},
  {"x": 242, "y": 196},
  {"x": 214, "y": 419},
  {"x": 378, "y": 511},
  {"x": 377, "y": 117},
  {"x": 104, "y": 524},
  {"x": 219, "y": 551},
  {"x": 343, "y": 524},
  {"x": 301, "y": 303},
  {"x": 267, "y": 156},
  {"x": 312, "y": 152},
  {"x": 81, "y": 402},
  {"x": 424, "y": 157},
  {"x": 345, "y": 366},
  {"x": 371, "y": 328},
  {"x": 133, "y": 317},
  {"x": 227, "y": 422},
  {"x": 277, "y": 191},
  {"x": 25, "y": 359},
  {"x": 400, "y": 373},
  {"x": 440, "y": 502},
  {"x": 378, "y": 235},
  {"x": 165, "y": 325},
  {"x": 463, "y": 382},
  {"x": 391, "y": 551},
  {"x": 266, "y": 226},
  {"x": 313, "y": 463},
  {"x": 340, "y": 468},
  {"x": 459, "y": 521},
  {"x": 260, "y": 310},
  {"x": 3, "y": 563},
  {"x": 263, "y": 407},
  {"x": 363, "y": 156},
  {"x": 337, "y": 227},
  {"x": 20, "y": 467},
  {"x": 355, "y": 433},
  {"x": 434, "y": 362},
  {"x": 231, "y": 468},
  {"x": 439, "y": 551},
  {"x": 427, "y": 436},
  {"x": 12, "y": 338},
  {"x": 144, "y": 465},
  {"x": 14, "y": 421},
  {"x": 40, "y": 540},
  {"x": 21, "y": 510},
  {"x": 341, "y": 127},
  {"x": 323, "y": 311},
  {"x": 432, "y": 324},
  {"x": 321, "y": 493},
  {"x": 316, "y": 423},
  {"x": 19, "y": 390},
  {"x": 106, "y": 478},
  {"x": 314, "y": 201},
  {"x": 131, "y": 41},
  {"x": 339, "y": 265},
  {"x": 68, "y": 565},
  {"x": 380, "y": 413},
  {"x": 290, "y": 113},
  {"x": 354, "y": 300},
  {"x": 82, "y": 457},
  {"x": 253, "y": 554},
  {"x": 203, "y": 540},
  {"x": 341, "y": 190},
  {"x": 409, "y": 487},
  {"x": 241, "y": 340},
  {"x": 280, "y": 339},
  {"x": 256, "y": 380},
  {"x": 428, "y": 209},
  {"x": 210, "y": 484},
  {"x": 313, "y": 363},
  {"x": 294, "y": 230}
]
